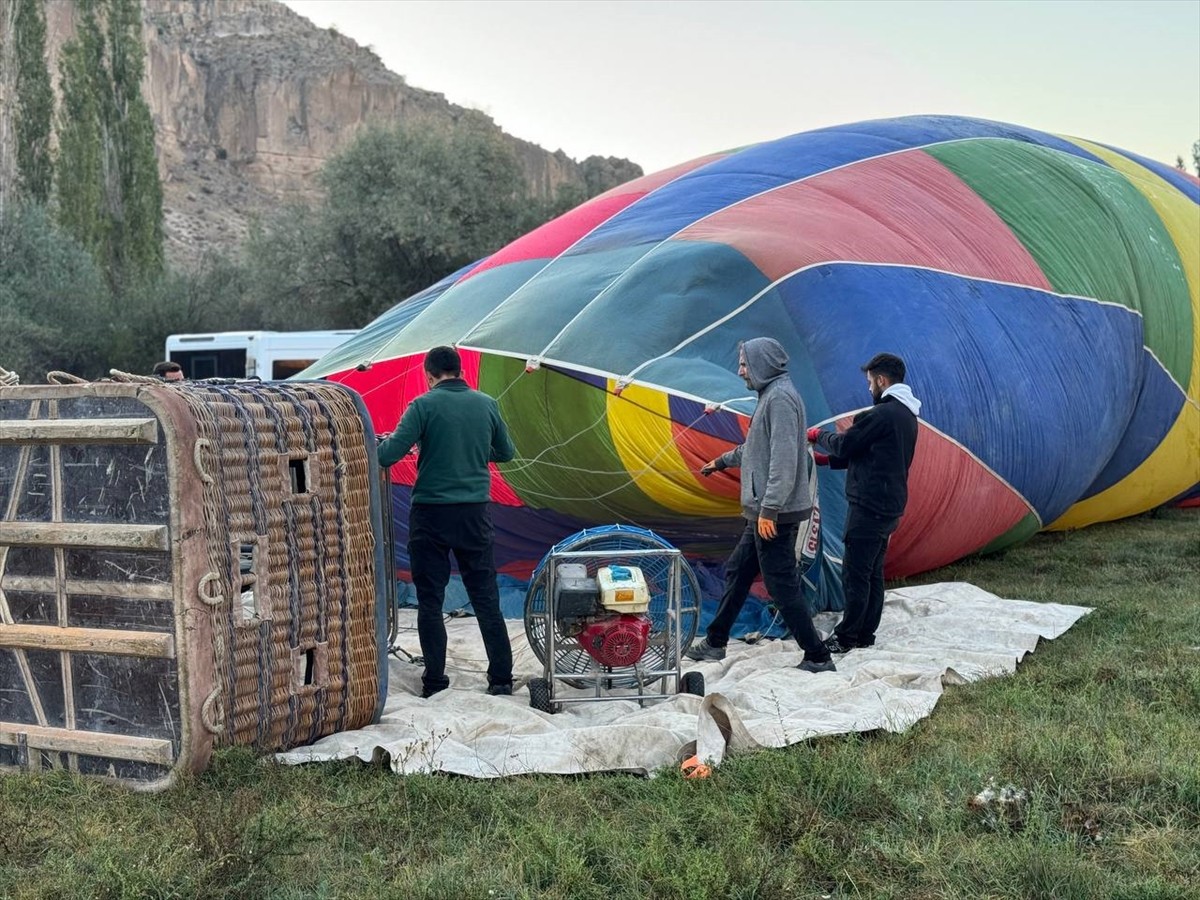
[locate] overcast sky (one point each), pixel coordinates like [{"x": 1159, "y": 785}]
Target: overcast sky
[{"x": 664, "y": 82}]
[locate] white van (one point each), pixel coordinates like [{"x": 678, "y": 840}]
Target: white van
[{"x": 269, "y": 355}]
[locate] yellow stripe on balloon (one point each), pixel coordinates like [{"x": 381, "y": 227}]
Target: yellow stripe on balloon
[
  {"x": 1171, "y": 469},
  {"x": 640, "y": 423},
  {"x": 1174, "y": 466}
]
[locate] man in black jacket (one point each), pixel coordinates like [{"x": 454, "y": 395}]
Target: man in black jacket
[{"x": 877, "y": 451}]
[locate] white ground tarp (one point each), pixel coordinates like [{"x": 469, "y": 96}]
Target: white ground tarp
[{"x": 931, "y": 636}]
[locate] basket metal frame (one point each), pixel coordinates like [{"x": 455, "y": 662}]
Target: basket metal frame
[
  {"x": 389, "y": 542},
  {"x": 597, "y": 677}
]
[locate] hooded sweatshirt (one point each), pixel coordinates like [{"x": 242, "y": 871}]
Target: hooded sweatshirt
[
  {"x": 773, "y": 459},
  {"x": 877, "y": 451}
]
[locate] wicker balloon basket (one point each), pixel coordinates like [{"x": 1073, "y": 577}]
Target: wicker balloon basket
[{"x": 185, "y": 566}]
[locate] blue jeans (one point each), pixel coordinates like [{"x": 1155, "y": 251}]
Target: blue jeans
[{"x": 776, "y": 560}]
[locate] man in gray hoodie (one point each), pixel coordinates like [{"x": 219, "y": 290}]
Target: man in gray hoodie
[{"x": 776, "y": 497}]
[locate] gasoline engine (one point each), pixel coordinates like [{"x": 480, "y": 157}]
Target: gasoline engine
[{"x": 605, "y": 614}]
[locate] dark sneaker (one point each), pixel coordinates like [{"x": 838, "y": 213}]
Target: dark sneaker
[
  {"x": 809, "y": 666},
  {"x": 429, "y": 690},
  {"x": 705, "y": 652},
  {"x": 500, "y": 690},
  {"x": 834, "y": 645}
]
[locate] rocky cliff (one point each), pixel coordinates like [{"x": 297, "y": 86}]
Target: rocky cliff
[{"x": 249, "y": 101}]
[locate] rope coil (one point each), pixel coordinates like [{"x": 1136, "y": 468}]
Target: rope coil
[
  {"x": 207, "y": 716},
  {"x": 200, "y": 444},
  {"x": 201, "y": 590}
]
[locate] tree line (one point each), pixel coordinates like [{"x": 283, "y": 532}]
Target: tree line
[{"x": 84, "y": 284}]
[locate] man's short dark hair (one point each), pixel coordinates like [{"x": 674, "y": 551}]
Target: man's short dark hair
[
  {"x": 889, "y": 365},
  {"x": 443, "y": 361},
  {"x": 162, "y": 368}
]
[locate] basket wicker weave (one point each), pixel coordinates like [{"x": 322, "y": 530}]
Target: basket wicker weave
[{"x": 184, "y": 566}]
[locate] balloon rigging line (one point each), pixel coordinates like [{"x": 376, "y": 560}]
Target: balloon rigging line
[
  {"x": 630, "y": 480},
  {"x": 523, "y": 463},
  {"x": 394, "y": 378}
]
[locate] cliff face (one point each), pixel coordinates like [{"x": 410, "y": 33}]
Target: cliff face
[{"x": 250, "y": 99}]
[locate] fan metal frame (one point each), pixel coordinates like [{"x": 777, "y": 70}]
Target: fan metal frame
[{"x": 674, "y": 612}]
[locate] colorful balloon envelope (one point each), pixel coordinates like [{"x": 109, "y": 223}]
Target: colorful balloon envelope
[{"x": 1042, "y": 289}]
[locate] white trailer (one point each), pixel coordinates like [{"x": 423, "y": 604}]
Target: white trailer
[{"x": 268, "y": 355}]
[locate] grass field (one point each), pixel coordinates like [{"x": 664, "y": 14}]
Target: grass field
[{"x": 1100, "y": 728}]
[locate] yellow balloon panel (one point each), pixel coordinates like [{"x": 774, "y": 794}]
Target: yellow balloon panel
[{"x": 640, "y": 423}]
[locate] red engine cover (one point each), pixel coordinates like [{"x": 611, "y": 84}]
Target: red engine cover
[{"x": 616, "y": 642}]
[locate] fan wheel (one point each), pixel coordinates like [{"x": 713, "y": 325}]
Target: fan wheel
[
  {"x": 539, "y": 695},
  {"x": 692, "y": 683}
]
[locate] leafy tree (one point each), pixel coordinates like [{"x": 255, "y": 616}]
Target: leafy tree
[
  {"x": 1179, "y": 164},
  {"x": 109, "y": 195},
  {"x": 1196, "y": 158},
  {"x": 601, "y": 173},
  {"x": 405, "y": 206},
  {"x": 293, "y": 273},
  {"x": 35, "y": 103},
  {"x": 409, "y": 205},
  {"x": 54, "y": 304}
]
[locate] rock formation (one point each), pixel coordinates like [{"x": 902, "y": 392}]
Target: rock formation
[{"x": 249, "y": 101}]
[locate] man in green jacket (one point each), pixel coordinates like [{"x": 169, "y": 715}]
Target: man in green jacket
[{"x": 459, "y": 431}]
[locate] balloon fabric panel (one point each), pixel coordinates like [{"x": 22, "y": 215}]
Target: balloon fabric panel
[{"x": 906, "y": 209}]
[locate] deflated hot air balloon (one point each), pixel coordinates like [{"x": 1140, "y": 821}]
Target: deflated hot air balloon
[{"x": 1042, "y": 289}]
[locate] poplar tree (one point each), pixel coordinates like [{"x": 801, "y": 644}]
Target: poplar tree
[
  {"x": 139, "y": 214},
  {"x": 109, "y": 194},
  {"x": 8, "y": 87},
  {"x": 35, "y": 103},
  {"x": 81, "y": 182}
]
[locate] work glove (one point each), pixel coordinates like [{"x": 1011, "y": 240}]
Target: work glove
[
  {"x": 812, "y": 434},
  {"x": 708, "y": 468},
  {"x": 821, "y": 459}
]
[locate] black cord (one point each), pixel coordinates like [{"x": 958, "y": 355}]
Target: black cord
[{"x": 396, "y": 650}]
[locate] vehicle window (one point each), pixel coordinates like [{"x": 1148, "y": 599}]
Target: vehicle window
[{"x": 286, "y": 368}]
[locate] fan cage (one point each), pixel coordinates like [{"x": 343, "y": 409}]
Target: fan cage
[{"x": 569, "y": 657}]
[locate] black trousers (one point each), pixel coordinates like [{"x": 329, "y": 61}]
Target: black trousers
[
  {"x": 434, "y": 530},
  {"x": 776, "y": 560},
  {"x": 862, "y": 575}
]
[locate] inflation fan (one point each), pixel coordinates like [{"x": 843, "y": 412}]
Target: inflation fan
[{"x": 611, "y": 610}]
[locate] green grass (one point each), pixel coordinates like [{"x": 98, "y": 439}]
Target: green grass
[{"x": 1101, "y": 728}]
